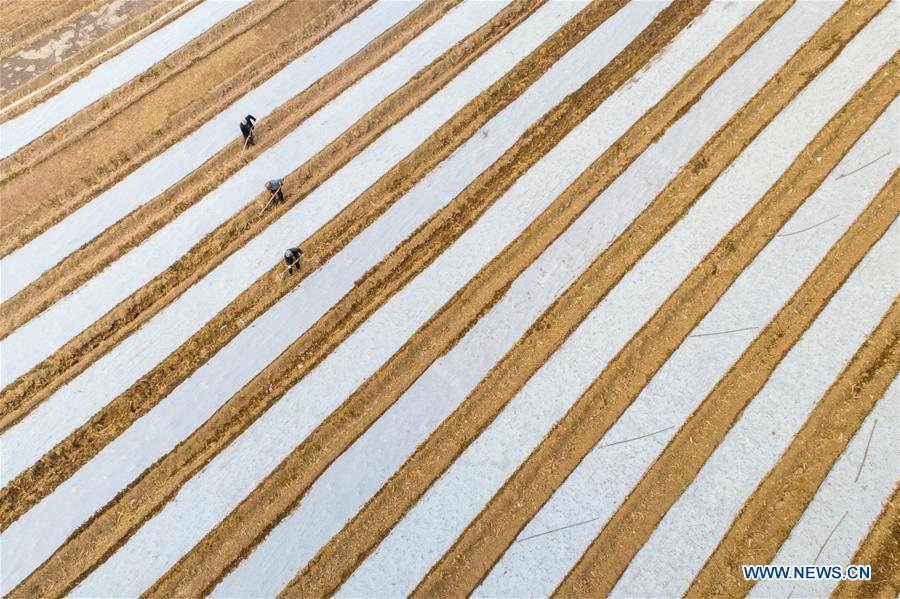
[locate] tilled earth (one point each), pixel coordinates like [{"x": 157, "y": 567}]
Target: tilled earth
[{"x": 46, "y": 182}]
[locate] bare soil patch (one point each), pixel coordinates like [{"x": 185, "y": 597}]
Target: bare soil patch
[{"x": 65, "y": 41}]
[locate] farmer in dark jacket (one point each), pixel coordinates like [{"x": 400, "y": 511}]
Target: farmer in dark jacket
[
  {"x": 247, "y": 129},
  {"x": 274, "y": 186},
  {"x": 292, "y": 259}
]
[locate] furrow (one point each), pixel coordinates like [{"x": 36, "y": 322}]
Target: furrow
[
  {"x": 881, "y": 550},
  {"x": 543, "y": 553},
  {"x": 341, "y": 554},
  {"x": 396, "y": 184},
  {"x": 207, "y": 25},
  {"x": 482, "y": 542},
  {"x": 342, "y": 541},
  {"x": 634, "y": 521},
  {"x": 774, "y": 422},
  {"x": 394, "y": 28},
  {"x": 188, "y": 358},
  {"x": 58, "y": 185},
  {"x": 767, "y": 517},
  {"x": 262, "y": 509},
  {"x": 366, "y": 350},
  {"x": 60, "y": 205},
  {"x": 846, "y": 505},
  {"x": 98, "y": 205},
  {"x": 165, "y": 376},
  {"x": 18, "y": 14},
  {"x": 431, "y": 404},
  {"x": 231, "y": 223},
  {"x": 523, "y": 222}
]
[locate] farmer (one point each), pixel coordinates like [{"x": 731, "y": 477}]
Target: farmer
[
  {"x": 247, "y": 129},
  {"x": 274, "y": 186},
  {"x": 292, "y": 259}
]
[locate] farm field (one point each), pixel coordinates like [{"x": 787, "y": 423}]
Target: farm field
[{"x": 596, "y": 298}]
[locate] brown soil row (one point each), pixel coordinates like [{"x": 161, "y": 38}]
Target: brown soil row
[
  {"x": 629, "y": 528},
  {"x": 23, "y": 22},
  {"x": 200, "y": 447},
  {"x": 81, "y": 265},
  {"x": 52, "y": 75},
  {"x": 88, "y": 153},
  {"x": 881, "y": 550},
  {"x": 18, "y": 398},
  {"x": 280, "y": 492},
  {"x": 341, "y": 555},
  {"x": 19, "y": 13},
  {"x": 96, "y": 114},
  {"x": 380, "y": 284},
  {"x": 774, "y": 508}
]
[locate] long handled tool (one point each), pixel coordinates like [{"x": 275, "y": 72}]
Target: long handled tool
[
  {"x": 247, "y": 139},
  {"x": 269, "y": 203},
  {"x": 288, "y": 269}
]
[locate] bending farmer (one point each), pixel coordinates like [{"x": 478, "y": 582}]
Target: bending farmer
[
  {"x": 292, "y": 259},
  {"x": 274, "y": 187},
  {"x": 247, "y": 129}
]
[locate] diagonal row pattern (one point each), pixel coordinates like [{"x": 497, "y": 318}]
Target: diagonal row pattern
[{"x": 562, "y": 263}]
